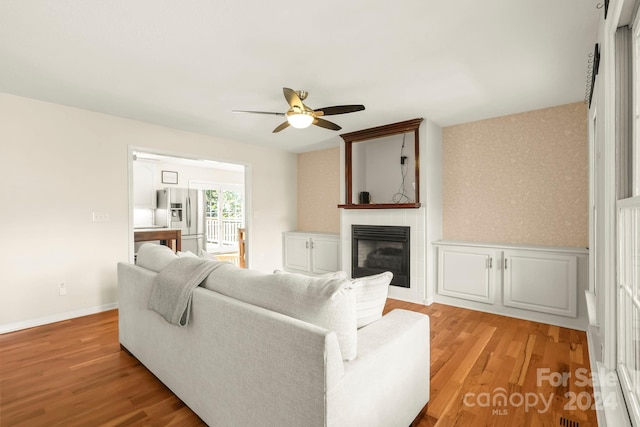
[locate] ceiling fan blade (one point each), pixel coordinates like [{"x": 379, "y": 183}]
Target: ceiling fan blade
[
  {"x": 292, "y": 98},
  {"x": 258, "y": 112},
  {"x": 338, "y": 109},
  {"x": 326, "y": 124},
  {"x": 282, "y": 126}
]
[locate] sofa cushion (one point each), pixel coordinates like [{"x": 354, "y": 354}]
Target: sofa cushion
[
  {"x": 331, "y": 275},
  {"x": 187, "y": 254},
  {"x": 371, "y": 295},
  {"x": 325, "y": 302},
  {"x": 154, "y": 257}
]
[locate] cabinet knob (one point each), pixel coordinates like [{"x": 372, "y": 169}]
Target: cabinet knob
[{"x": 505, "y": 263}]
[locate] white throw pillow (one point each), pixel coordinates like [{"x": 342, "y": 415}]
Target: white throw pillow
[
  {"x": 154, "y": 257},
  {"x": 332, "y": 275},
  {"x": 371, "y": 295},
  {"x": 325, "y": 302}
]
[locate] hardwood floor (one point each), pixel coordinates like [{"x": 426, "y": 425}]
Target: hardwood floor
[
  {"x": 489, "y": 370},
  {"x": 73, "y": 373}
]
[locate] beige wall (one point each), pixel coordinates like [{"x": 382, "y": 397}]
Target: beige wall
[
  {"x": 519, "y": 179},
  {"x": 319, "y": 191},
  {"x": 61, "y": 164}
]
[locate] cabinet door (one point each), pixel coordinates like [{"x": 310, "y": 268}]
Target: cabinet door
[
  {"x": 541, "y": 281},
  {"x": 296, "y": 252},
  {"x": 144, "y": 194},
  {"x": 466, "y": 273},
  {"x": 324, "y": 254}
]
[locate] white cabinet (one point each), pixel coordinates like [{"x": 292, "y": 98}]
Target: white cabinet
[
  {"x": 515, "y": 280},
  {"x": 296, "y": 255},
  {"x": 144, "y": 192},
  {"x": 467, "y": 273},
  {"x": 540, "y": 281},
  {"x": 310, "y": 253}
]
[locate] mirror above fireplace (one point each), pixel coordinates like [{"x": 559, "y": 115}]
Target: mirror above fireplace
[{"x": 382, "y": 167}]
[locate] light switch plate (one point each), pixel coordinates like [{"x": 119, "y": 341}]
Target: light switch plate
[{"x": 100, "y": 217}]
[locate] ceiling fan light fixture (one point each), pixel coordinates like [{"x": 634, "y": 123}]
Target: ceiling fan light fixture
[
  {"x": 300, "y": 120},
  {"x": 300, "y": 116}
]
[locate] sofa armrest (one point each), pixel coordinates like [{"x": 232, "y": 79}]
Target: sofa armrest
[{"x": 388, "y": 383}]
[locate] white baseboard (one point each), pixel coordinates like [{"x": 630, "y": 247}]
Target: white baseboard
[{"x": 17, "y": 326}]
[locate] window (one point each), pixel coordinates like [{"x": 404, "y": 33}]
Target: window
[
  {"x": 628, "y": 252},
  {"x": 629, "y": 303},
  {"x": 224, "y": 216}
]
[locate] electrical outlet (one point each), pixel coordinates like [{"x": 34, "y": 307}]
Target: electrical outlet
[
  {"x": 62, "y": 289},
  {"x": 100, "y": 217}
]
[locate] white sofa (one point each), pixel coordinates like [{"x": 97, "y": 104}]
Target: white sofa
[{"x": 237, "y": 363}]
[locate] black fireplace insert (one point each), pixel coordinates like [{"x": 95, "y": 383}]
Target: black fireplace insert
[{"x": 378, "y": 248}]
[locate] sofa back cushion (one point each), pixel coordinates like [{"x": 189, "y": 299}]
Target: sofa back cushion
[
  {"x": 325, "y": 302},
  {"x": 154, "y": 257}
]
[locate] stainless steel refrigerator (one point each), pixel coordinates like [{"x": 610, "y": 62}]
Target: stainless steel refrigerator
[{"x": 184, "y": 209}]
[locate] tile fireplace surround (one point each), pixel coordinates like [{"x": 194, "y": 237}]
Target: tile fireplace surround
[{"x": 413, "y": 218}]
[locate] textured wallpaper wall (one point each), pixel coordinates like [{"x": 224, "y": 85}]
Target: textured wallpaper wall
[
  {"x": 520, "y": 179},
  {"x": 319, "y": 191}
]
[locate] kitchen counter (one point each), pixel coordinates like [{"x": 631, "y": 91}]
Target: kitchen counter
[
  {"x": 167, "y": 236},
  {"x": 149, "y": 227}
]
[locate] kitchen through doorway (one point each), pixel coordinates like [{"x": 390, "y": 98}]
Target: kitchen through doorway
[{"x": 221, "y": 204}]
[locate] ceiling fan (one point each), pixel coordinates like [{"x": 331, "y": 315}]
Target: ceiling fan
[{"x": 300, "y": 116}]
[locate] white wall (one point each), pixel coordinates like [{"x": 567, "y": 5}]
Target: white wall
[
  {"x": 358, "y": 171},
  {"x": 383, "y": 170},
  {"x": 431, "y": 194},
  {"x": 60, "y": 164},
  {"x": 376, "y": 168},
  {"x": 194, "y": 173}
]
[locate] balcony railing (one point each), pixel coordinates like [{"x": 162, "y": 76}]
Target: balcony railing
[{"x": 223, "y": 233}]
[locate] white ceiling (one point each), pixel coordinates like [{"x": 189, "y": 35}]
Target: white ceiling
[{"x": 186, "y": 64}]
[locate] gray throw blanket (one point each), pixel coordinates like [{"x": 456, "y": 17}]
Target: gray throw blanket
[{"x": 173, "y": 287}]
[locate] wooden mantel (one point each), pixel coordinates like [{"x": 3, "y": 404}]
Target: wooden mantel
[
  {"x": 380, "y": 206},
  {"x": 373, "y": 133}
]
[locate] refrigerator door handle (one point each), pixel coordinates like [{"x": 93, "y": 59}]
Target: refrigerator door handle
[{"x": 189, "y": 212}]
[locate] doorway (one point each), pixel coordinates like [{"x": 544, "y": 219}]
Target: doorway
[{"x": 223, "y": 207}]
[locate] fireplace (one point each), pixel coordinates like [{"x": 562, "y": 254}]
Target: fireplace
[{"x": 377, "y": 248}]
